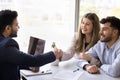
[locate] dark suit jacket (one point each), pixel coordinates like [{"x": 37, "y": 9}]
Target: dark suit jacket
[{"x": 11, "y": 58}]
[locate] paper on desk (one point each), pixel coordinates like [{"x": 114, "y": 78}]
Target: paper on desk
[
  {"x": 67, "y": 75},
  {"x": 30, "y": 73}
]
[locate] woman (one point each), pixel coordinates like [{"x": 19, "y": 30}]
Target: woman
[{"x": 86, "y": 37}]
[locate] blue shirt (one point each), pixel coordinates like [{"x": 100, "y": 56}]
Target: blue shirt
[{"x": 109, "y": 57}]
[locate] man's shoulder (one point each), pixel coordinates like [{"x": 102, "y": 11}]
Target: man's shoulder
[
  {"x": 8, "y": 42},
  {"x": 3, "y": 41},
  {"x": 12, "y": 42},
  {"x": 100, "y": 43}
]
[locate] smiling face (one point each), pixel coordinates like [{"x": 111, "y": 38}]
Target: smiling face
[
  {"x": 86, "y": 26},
  {"x": 106, "y": 32}
]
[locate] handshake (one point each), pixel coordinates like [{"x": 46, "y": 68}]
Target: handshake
[{"x": 58, "y": 52}]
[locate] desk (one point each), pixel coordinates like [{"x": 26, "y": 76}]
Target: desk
[{"x": 68, "y": 66}]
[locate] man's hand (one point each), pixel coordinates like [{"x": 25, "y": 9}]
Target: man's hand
[
  {"x": 34, "y": 69},
  {"x": 93, "y": 69},
  {"x": 58, "y": 53},
  {"x": 84, "y": 56}
]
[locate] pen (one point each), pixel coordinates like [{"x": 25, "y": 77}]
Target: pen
[{"x": 76, "y": 70}]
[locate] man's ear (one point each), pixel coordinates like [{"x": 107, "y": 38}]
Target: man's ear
[
  {"x": 116, "y": 32},
  {"x": 7, "y": 27}
]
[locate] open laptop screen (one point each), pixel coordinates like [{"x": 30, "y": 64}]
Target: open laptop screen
[{"x": 36, "y": 45}]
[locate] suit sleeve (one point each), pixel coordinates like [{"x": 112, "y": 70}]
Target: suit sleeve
[{"x": 14, "y": 56}]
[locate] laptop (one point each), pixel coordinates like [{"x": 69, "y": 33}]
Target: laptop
[{"x": 36, "y": 46}]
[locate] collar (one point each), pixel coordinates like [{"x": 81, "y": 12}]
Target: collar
[{"x": 113, "y": 46}]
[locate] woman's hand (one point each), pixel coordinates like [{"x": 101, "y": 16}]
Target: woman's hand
[
  {"x": 58, "y": 53},
  {"x": 84, "y": 56}
]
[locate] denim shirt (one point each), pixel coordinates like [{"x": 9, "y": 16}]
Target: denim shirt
[{"x": 109, "y": 57}]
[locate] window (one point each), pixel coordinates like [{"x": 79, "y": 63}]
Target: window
[
  {"x": 102, "y": 8},
  {"x": 52, "y": 20}
]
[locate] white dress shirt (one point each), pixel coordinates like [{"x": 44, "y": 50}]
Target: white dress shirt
[{"x": 109, "y": 57}]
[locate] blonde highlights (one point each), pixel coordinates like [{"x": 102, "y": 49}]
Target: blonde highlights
[{"x": 95, "y": 33}]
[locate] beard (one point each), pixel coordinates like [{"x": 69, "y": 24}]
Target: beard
[
  {"x": 104, "y": 38},
  {"x": 13, "y": 33}
]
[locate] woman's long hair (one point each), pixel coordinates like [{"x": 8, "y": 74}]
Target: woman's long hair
[{"x": 79, "y": 44}]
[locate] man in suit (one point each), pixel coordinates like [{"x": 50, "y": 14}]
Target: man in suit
[{"x": 10, "y": 55}]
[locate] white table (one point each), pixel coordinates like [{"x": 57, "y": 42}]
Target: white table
[{"x": 64, "y": 68}]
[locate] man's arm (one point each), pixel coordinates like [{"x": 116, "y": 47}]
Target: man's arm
[
  {"x": 89, "y": 60},
  {"x": 87, "y": 57},
  {"x": 112, "y": 69},
  {"x": 88, "y": 67},
  {"x": 14, "y": 56}
]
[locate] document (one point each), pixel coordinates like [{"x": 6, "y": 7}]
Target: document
[
  {"x": 67, "y": 75},
  {"x": 28, "y": 73}
]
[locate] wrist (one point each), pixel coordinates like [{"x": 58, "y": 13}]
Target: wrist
[
  {"x": 60, "y": 59},
  {"x": 85, "y": 66}
]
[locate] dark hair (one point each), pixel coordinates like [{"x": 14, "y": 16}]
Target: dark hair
[
  {"x": 6, "y": 18},
  {"x": 115, "y": 22}
]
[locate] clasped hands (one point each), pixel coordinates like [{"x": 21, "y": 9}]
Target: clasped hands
[
  {"x": 88, "y": 67},
  {"x": 58, "y": 53}
]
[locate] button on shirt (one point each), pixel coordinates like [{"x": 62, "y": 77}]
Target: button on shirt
[{"x": 109, "y": 57}]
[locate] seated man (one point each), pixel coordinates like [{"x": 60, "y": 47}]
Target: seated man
[
  {"x": 11, "y": 58},
  {"x": 107, "y": 50}
]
